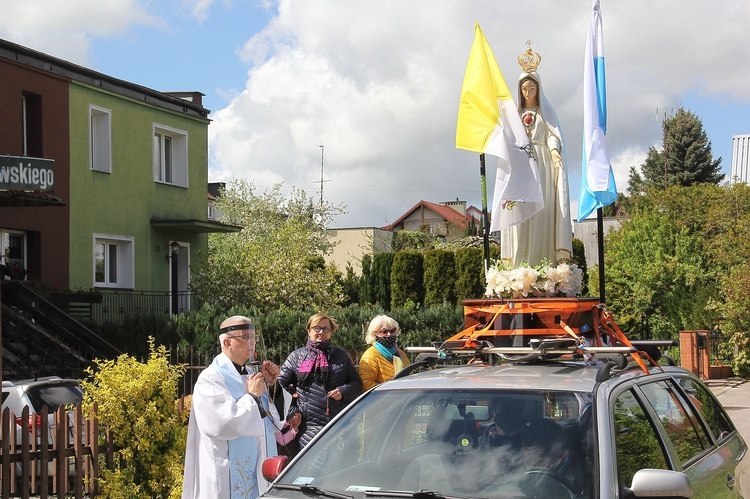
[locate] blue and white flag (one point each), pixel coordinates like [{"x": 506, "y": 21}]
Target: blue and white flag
[{"x": 597, "y": 180}]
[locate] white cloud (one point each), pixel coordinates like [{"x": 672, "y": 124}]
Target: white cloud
[
  {"x": 66, "y": 29},
  {"x": 378, "y": 83}
]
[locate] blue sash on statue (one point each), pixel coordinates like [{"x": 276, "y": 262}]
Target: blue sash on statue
[{"x": 243, "y": 451}]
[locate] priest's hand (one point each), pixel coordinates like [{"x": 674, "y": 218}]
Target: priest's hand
[
  {"x": 270, "y": 372},
  {"x": 255, "y": 384}
]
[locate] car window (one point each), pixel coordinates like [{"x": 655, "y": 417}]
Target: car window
[
  {"x": 475, "y": 443},
  {"x": 704, "y": 402},
  {"x": 680, "y": 422},
  {"x": 53, "y": 396},
  {"x": 636, "y": 440}
]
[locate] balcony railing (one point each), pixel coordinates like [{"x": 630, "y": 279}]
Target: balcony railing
[{"x": 116, "y": 306}]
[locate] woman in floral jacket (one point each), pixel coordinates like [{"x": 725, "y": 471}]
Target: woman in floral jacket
[{"x": 383, "y": 359}]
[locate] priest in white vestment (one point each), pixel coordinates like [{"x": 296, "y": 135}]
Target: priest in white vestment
[{"x": 230, "y": 433}]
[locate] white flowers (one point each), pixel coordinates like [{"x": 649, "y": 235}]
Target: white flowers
[{"x": 525, "y": 281}]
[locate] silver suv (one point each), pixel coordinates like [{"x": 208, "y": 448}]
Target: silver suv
[
  {"x": 535, "y": 428},
  {"x": 51, "y": 391}
]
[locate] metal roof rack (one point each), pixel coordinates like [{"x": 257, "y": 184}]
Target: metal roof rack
[{"x": 540, "y": 350}]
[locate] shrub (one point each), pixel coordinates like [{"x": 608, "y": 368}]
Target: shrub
[
  {"x": 469, "y": 273},
  {"x": 439, "y": 277},
  {"x": 137, "y": 401},
  {"x": 382, "y": 264},
  {"x": 407, "y": 279}
]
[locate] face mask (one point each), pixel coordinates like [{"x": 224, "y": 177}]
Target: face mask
[{"x": 386, "y": 341}]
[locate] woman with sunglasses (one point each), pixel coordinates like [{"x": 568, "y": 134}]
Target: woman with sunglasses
[
  {"x": 323, "y": 376},
  {"x": 383, "y": 359}
]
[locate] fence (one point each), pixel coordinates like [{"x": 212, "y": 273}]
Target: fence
[
  {"x": 40, "y": 460},
  {"x": 115, "y": 306}
]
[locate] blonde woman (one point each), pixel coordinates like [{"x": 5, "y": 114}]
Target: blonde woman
[{"x": 383, "y": 359}]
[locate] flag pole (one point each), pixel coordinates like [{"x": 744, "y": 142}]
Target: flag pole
[
  {"x": 600, "y": 247},
  {"x": 485, "y": 217}
]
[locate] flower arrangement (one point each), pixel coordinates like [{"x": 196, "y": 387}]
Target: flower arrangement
[{"x": 566, "y": 279}]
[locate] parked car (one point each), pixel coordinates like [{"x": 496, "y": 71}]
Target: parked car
[
  {"x": 545, "y": 428},
  {"x": 51, "y": 391}
]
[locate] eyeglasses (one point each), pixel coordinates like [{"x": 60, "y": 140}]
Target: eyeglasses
[
  {"x": 244, "y": 337},
  {"x": 385, "y": 332},
  {"x": 319, "y": 329}
]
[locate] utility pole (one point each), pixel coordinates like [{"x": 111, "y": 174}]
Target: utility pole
[{"x": 321, "y": 174}]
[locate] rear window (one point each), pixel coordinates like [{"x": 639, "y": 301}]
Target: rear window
[{"x": 53, "y": 396}]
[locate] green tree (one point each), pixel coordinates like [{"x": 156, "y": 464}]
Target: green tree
[
  {"x": 579, "y": 258},
  {"x": 439, "y": 277},
  {"x": 407, "y": 281},
  {"x": 381, "y": 279},
  {"x": 658, "y": 264},
  {"x": 350, "y": 285},
  {"x": 365, "y": 281},
  {"x": 685, "y": 158},
  {"x": 469, "y": 273},
  {"x": 276, "y": 261}
]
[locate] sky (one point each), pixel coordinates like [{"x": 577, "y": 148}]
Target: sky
[{"x": 377, "y": 82}]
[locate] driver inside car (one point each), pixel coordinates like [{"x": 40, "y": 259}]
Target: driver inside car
[{"x": 550, "y": 460}]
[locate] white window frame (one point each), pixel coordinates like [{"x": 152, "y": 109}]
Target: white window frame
[
  {"x": 123, "y": 247},
  {"x": 100, "y": 139},
  {"x": 170, "y": 155},
  {"x": 5, "y": 259}
]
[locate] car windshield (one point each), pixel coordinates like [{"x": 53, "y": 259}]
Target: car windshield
[
  {"x": 472, "y": 443},
  {"x": 54, "y": 395}
]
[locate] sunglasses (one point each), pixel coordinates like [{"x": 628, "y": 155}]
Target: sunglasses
[{"x": 386, "y": 332}]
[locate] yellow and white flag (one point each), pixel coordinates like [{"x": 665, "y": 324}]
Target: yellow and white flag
[{"x": 488, "y": 122}]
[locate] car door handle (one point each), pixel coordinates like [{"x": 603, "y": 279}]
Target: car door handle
[{"x": 730, "y": 482}]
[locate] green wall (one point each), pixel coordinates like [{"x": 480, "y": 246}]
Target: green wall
[{"x": 124, "y": 201}]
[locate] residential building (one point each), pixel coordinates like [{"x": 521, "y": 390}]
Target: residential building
[
  {"x": 447, "y": 220},
  {"x": 128, "y": 164},
  {"x": 351, "y": 244},
  {"x": 587, "y": 231}
]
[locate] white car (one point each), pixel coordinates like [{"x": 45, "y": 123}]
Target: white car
[{"x": 51, "y": 391}]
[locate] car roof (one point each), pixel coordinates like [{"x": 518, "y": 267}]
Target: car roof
[
  {"x": 575, "y": 376},
  {"x": 35, "y": 381}
]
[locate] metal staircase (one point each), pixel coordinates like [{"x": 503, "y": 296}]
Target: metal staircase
[{"x": 39, "y": 339}]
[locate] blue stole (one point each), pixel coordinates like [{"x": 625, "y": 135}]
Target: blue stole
[{"x": 243, "y": 451}]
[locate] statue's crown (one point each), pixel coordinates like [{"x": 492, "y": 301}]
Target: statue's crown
[{"x": 529, "y": 60}]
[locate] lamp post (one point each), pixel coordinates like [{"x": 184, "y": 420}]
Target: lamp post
[{"x": 174, "y": 249}]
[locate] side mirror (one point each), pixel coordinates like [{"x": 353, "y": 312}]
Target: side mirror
[
  {"x": 273, "y": 466},
  {"x": 661, "y": 483}
]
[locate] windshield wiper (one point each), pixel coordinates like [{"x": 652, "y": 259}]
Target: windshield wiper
[
  {"x": 311, "y": 489},
  {"x": 419, "y": 494}
]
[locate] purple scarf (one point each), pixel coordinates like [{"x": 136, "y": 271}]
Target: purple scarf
[{"x": 315, "y": 363}]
